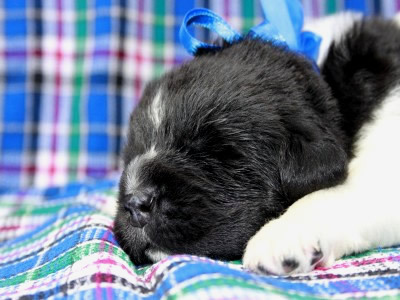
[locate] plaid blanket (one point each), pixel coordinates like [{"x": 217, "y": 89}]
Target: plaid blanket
[
  {"x": 72, "y": 70},
  {"x": 70, "y": 73},
  {"x": 58, "y": 243}
]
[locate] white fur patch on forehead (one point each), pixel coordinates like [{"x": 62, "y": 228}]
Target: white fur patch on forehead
[
  {"x": 156, "y": 110},
  {"x": 133, "y": 170}
]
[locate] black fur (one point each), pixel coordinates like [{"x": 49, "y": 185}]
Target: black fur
[
  {"x": 245, "y": 132},
  {"x": 361, "y": 69}
]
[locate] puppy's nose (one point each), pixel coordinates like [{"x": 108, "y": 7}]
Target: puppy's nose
[{"x": 139, "y": 205}]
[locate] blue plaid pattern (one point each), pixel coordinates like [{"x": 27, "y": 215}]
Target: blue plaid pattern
[
  {"x": 72, "y": 71},
  {"x": 58, "y": 243}
]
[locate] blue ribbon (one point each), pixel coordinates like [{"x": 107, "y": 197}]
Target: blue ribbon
[{"x": 282, "y": 26}]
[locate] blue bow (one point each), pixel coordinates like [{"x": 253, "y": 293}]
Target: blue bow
[{"x": 282, "y": 26}]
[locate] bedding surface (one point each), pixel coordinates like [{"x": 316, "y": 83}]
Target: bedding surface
[{"x": 58, "y": 243}]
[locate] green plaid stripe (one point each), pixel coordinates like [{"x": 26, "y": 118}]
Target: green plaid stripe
[
  {"x": 78, "y": 85},
  {"x": 72, "y": 253}
]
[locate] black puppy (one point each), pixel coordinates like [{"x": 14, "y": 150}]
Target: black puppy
[{"x": 228, "y": 141}]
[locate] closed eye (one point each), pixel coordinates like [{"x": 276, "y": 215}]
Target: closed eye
[{"x": 227, "y": 153}]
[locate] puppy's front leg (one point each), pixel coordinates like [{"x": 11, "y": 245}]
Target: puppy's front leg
[{"x": 324, "y": 226}]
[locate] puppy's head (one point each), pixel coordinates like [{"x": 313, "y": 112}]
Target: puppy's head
[{"x": 221, "y": 145}]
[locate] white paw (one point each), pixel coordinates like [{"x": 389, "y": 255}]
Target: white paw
[{"x": 285, "y": 247}]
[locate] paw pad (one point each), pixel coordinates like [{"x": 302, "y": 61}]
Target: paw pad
[
  {"x": 316, "y": 257},
  {"x": 261, "y": 269},
  {"x": 289, "y": 265}
]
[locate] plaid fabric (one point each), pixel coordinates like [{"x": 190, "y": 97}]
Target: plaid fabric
[
  {"x": 71, "y": 72},
  {"x": 58, "y": 243}
]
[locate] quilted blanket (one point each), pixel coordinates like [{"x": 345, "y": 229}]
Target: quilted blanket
[{"x": 58, "y": 243}]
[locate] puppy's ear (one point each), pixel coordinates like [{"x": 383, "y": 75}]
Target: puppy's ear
[{"x": 312, "y": 159}]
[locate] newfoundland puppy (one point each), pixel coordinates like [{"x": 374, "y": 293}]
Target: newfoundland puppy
[{"x": 249, "y": 152}]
